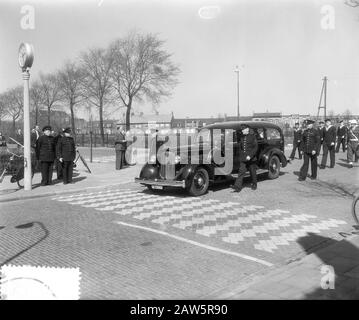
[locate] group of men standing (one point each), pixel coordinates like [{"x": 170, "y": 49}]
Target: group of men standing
[
  {"x": 309, "y": 141},
  {"x": 49, "y": 149}
]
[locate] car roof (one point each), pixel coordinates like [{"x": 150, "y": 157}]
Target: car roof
[{"x": 235, "y": 125}]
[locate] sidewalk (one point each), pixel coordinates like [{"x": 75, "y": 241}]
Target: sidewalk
[
  {"x": 103, "y": 175},
  {"x": 309, "y": 278}
]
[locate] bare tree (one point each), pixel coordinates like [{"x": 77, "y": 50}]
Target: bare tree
[
  {"x": 352, "y": 3},
  {"x": 50, "y": 92},
  {"x": 141, "y": 70},
  {"x": 14, "y": 104},
  {"x": 96, "y": 64},
  {"x": 3, "y": 106},
  {"x": 71, "y": 78},
  {"x": 347, "y": 115},
  {"x": 36, "y": 99}
]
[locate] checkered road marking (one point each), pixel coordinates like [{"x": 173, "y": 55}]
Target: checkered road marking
[{"x": 230, "y": 221}]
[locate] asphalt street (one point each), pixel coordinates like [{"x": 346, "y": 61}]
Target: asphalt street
[{"x": 130, "y": 243}]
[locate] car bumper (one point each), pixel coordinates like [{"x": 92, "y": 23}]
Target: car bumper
[{"x": 163, "y": 183}]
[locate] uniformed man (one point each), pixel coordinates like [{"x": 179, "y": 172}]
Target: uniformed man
[
  {"x": 66, "y": 154},
  {"x": 120, "y": 147},
  {"x": 248, "y": 147},
  {"x": 310, "y": 148},
  {"x": 297, "y": 139},
  {"x": 58, "y": 163},
  {"x": 342, "y": 133},
  {"x": 321, "y": 135},
  {"x": 45, "y": 153},
  {"x": 353, "y": 142},
  {"x": 329, "y": 137}
]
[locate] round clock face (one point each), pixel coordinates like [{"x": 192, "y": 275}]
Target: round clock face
[{"x": 26, "y": 56}]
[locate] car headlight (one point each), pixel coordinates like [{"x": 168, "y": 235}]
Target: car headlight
[
  {"x": 177, "y": 159},
  {"x": 153, "y": 158}
]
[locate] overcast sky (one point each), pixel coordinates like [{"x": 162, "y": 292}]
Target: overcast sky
[{"x": 282, "y": 46}]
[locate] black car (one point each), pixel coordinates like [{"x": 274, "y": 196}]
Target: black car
[{"x": 179, "y": 166}]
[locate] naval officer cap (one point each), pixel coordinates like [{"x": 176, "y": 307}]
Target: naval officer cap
[
  {"x": 308, "y": 121},
  {"x": 46, "y": 128}
]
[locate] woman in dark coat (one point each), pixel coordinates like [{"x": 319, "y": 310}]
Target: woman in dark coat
[
  {"x": 45, "y": 153},
  {"x": 66, "y": 154}
]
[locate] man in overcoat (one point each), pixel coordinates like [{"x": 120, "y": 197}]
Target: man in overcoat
[
  {"x": 248, "y": 147},
  {"x": 66, "y": 154},
  {"x": 310, "y": 149},
  {"x": 329, "y": 137},
  {"x": 297, "y": 139},
  {"x": 45, "y": 153}
]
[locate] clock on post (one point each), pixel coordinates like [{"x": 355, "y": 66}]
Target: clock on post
[{"x": 26, "y": 56}]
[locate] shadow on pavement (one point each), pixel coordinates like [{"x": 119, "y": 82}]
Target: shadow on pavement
[
  {"x": 343, "y": 258},
  {"x": 28, "y": 225}
]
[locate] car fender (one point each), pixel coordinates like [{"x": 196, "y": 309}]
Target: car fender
[
  {"x": 268, "y": 153},
  {"x": 149, "y": 171}
]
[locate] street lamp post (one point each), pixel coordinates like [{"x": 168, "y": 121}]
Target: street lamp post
[
  {"x": 237, "y": 71},
  {"x": 26, "y": 58}
]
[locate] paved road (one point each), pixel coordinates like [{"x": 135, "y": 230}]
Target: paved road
[{"x": 131, "y": 243}]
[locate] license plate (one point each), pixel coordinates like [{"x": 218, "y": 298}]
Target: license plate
[{"x": 157, "y": 187}]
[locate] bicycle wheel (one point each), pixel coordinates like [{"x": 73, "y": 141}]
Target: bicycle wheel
[
  {"x": 20, "y": 177},
  {"x": 355, "y": 210}
]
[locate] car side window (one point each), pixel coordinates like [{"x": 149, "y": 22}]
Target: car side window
[
  {"x": 273, "y": 134},
  {"x": 259, "y": 134}
]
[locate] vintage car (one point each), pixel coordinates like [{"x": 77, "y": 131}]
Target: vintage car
[{"x": 195, "y": 172}]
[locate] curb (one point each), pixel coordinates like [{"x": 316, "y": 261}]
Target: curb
[{"x": 55, "y": 193}]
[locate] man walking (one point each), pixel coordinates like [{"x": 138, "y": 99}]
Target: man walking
[
  {"x": 45, "y": 153},
  {"x": 297, "y": 139},
  {"x": 310, "y": 147},
  {"x": 248, "y": 147},
  {"x": 120, "y": 148},
  {"x": 66, "y": 154},
  {"x": 353, "y": 142},
  {"x": 329, "y": 137},
  {"x": 342, "y": 133}
]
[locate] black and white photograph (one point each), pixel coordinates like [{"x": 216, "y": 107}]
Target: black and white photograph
[{"x": 203, "y": 151}]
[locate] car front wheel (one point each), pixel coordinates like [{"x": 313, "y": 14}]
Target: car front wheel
[
  {"x": 273, "y": 167},
  {"x": 199, "y": 183}
]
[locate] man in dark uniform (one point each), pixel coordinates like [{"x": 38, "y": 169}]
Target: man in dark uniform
[
  {"x": 342, "y": 133},
  {"x": 58, "y": 163},
  {"x": 310, "y": 148},
  {"x": 297, "y": 139},
  {"x": 321, "y": 134},
  {"x": 329, "y": 137},
  {"x": 248, "y": 147},
  {"x": 45, "y": 153},
  {"x": 353, "y": 142},
  {"x": 66, "y": 154},
  {"x": 35, "y": 135},
  {"x": 120, "y": 147}
]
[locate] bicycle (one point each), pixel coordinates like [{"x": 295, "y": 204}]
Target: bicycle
[
  {"x": 83, "y": 161},
  {"x": 16, "y": 169},
  {"x": 355, "y": 209}
]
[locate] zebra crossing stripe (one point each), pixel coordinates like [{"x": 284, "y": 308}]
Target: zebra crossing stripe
[{"x": 195, "y": 243}]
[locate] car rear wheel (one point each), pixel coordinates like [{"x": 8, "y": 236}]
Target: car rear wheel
[
  {"x": 200, "y": 182},
  {"x": 273, "y": 167}
]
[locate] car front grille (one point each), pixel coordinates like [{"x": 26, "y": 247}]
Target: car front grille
[{"x": 167, "y": 169}]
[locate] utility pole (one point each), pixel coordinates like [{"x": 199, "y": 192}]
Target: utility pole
[
  {"x": 26, "y": 58},
  {"x": 237, "y": 71},
  {"x": 323, "y": 97}
]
